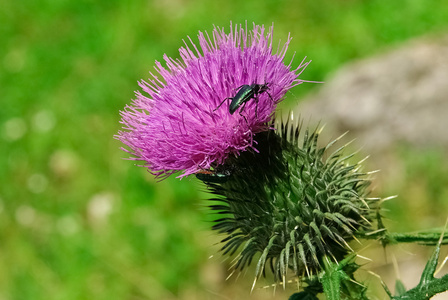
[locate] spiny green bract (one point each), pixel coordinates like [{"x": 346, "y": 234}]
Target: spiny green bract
[{"x": 293, "y": 203}]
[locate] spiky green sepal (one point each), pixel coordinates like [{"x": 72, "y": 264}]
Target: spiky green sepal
[{"x": 293, "y": 203}]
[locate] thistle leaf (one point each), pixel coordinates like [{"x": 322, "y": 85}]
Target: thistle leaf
[{"x": 428, "y": 286}]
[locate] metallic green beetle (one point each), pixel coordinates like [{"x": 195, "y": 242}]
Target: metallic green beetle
[{"x": 244, "y": 94}]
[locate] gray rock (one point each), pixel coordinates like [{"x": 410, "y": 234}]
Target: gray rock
[{"x": 398, "y": 96}]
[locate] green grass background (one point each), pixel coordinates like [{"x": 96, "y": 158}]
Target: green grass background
[{"x": 77, "y": 221}]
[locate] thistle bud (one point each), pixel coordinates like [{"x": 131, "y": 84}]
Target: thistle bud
[{"x": 291, "y": 203}]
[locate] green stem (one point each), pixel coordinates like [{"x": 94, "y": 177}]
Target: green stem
[
  {"x": 331, "y": 280},
  {"x": 425, "y": 238},
  {"x": 338, "y": 281}
]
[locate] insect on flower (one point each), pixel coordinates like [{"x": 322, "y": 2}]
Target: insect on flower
[
  {"x": 173, "y": 126},
  {"x": 244, "y": 94},
  {"x": 209, "y": 176}
]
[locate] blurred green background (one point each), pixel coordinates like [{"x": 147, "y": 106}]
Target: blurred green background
[{"x": 79, "y": 222}]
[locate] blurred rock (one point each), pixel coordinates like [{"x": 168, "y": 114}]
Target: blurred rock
[{"x": 400, "y": 95}]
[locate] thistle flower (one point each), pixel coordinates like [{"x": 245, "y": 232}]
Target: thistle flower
[
  {"x": 288, "y": 203},
  {"x": 174, "y": 125}
]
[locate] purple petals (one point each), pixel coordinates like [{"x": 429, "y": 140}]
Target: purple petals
[{"x": 172, "y": 125}]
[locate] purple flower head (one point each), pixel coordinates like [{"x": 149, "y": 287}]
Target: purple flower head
[{"x": 175, "y": 124}]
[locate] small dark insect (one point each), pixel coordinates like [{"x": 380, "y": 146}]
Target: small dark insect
[
  {"x": 209, "y": 176},
  {"x": 244, "y": 94}
]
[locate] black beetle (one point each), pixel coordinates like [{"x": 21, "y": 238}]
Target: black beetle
[
  {"x": 244, "y": 94},
  {"x": 209, "y": 176}
]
